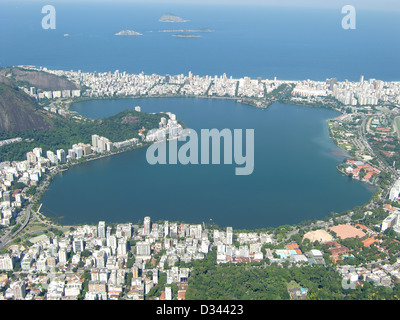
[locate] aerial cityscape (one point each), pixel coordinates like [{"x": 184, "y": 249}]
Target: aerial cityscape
[{"x": 349, "y": 253}]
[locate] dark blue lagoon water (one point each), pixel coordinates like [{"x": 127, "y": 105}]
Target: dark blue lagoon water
[{"x": 294, "y": 178}]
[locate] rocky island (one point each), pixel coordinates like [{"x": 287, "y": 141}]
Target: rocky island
[
  {"x": 168, "y": 17},
  {"x": 188, "y": 30},
  {"x": 128, "y": 33},
  {"x": 186, "y": 35}
]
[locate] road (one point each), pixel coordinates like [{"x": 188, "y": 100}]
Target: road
[
  {"x": 9, "y": 236},
  {"x": 25, "y": 216},
  {"x": 382, "y": 164}
]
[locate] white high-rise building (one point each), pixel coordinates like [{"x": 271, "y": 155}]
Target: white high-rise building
[
  {"x": 146, "y": 226},
  {"x": 143, "y": 249},
  {"x": 52, "y": 157},
  {"x": 229, "y": 235},
  {"x": 19, "y": 289},
  {"x": 71, "y": 154},
  {"x": 112, "y": 242},
  {"x": 122, "y": 247},
  {"x": 61, "y": 156},
  {"x": 78, "y": 151},
  {"x": 78, "y": 245},
  {"x": 37, "y": 152},
  {"x": 62, "y": 255},
  {"x": 168, "y": 293},
  {"x": 6, "y": 263},
  {"x": 166, "y": 228},
  {"x": 31, "y": 157},
  {"x": 101, "y": 229},
  {"x": 95, "y": 138}
]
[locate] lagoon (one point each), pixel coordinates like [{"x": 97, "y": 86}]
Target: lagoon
[{"x": 294, "y": 179}]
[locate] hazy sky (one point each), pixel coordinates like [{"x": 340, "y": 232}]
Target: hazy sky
[
  {"x": 385, "y": 5},
  {"x": 359, "y": 4}
]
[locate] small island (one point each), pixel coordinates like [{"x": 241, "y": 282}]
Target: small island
[
  {"x": 168, "y": 17},
  {"x": 186, "y": 35},
  {"x": 188, "y": 30},
  {"x": 128, "y": 33}
]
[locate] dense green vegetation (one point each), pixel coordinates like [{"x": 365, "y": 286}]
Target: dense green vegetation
[
  {"x": 280, "y": 93},
  {"x": 258, "y": 281},
  {"x": 65, "y": 133}
]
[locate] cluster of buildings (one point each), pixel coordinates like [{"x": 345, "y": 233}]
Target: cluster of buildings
[
  {"x": 59, "y": 111},
  {"x": 379, "y": 274},
  {"x": 12, "y": 199},
  {"x": 371, "y": 92},
  {"x": 385, "y": 275},
  {"x": 395, "y": 191},
  {"x": 121, "y": 261},
  {"x": 310, "y": 88},
  {"x": 9, "y": 141},
  {"x": 167, "y": 129},
  {"x": 392, "y": 220},
  {"x": 361, "y": 93},
  {"x": 126, "y": 261},
  {"x": 39, "y": 94},
  {"x": 361, "y": 171},
  {"x": 124, "y": 84}
]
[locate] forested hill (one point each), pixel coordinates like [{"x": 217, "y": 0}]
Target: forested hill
[
  {"x": 21, "y": 116},
  {"x": 65, "y": 133}
]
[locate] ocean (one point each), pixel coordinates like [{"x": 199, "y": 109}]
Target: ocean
[
  {"x": 254, "y": 41},
  {"x": 295, "y": 175}
]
